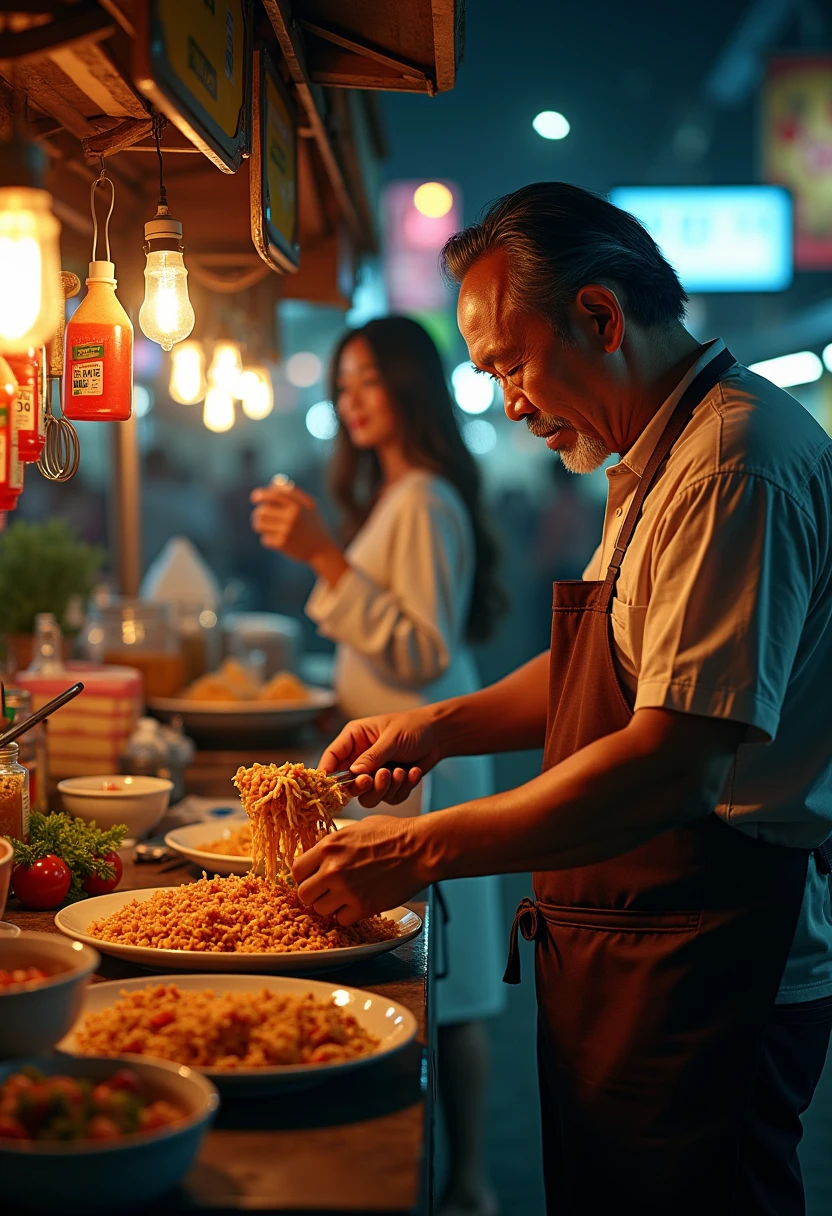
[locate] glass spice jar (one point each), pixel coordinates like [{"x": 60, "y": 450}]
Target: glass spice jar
[
  {"x": 14, "y": 794},
  {"x": 32, "y": 745}
]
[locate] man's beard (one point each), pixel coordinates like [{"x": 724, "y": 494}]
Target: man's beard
[{"x": 585, "y": 455}]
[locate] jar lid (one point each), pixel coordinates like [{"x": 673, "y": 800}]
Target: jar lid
[{"x": 9, "y": 752}]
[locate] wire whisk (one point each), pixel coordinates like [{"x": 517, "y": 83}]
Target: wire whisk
[{"x": 61, "y": 453}]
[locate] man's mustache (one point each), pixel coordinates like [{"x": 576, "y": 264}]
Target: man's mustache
[{"x": 543, "y": 425}]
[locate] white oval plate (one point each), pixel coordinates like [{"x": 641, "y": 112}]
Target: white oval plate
[
  {"x": 187, "y": 841},
  {"x": 242, "y": 715},
  {"x": 392, "y": 1024},
  {"x": 76, "y": 919}
]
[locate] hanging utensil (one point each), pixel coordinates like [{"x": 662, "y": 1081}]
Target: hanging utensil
[
  {"x": 20, "y": 728},
  {"x": 61, "y": 453}
]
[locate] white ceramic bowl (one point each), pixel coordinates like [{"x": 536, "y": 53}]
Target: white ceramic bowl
[
  {"x": 113, "y": 1175},
  {"x": 140, "y": 802},
  {"x": 35, "y": 1016},
  {"x": 6, "y": 863}
]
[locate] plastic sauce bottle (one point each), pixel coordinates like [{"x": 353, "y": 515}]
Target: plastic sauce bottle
[
  {"x": 28, "y": 415},
  {"x": 98, "y": 363},
  {"x": 11, "y": 470}
]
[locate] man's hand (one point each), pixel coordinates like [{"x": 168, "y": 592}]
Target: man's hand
[
  {"x": 407, "y": 739},
  {"x": 365, "y": 868}
]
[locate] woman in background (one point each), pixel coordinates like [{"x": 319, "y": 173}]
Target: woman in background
[{"x": 414, "y": 587}]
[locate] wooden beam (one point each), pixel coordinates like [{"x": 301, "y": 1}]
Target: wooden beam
[
  {"x": 116, "y": 11},
  {"x": 88, "y": 21},
  {"x": 117, "y": 138},
  {"x": 90, "y": 69},
  {"x": 42, "y": 93},
  {"x": 366, "y": 50},
  {"x": 445, "y": 42},
  {"x": 289, "y": 39}
]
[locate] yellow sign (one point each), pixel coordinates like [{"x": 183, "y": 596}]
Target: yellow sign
[
  {"x": 281, "y": 169},
  {"x": 193, "y": 60}
]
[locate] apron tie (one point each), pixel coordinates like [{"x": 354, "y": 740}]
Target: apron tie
[{"x": 526, "y": 919}]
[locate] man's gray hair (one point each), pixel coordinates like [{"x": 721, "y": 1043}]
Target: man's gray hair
[{"x": 557, "y": 239}]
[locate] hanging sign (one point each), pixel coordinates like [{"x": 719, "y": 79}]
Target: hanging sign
[
  {"x": 274, "y": 168},
  {"x": 192, "y": 59},
  {"x": 797, "y": 149}
]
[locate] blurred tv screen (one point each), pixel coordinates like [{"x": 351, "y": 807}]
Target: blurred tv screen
[{"x": 718, "y": 238}]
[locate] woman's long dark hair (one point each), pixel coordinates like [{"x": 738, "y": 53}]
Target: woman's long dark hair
[{"x": 411, "y": 371}]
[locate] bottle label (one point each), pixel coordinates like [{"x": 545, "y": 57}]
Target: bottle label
[
  {"x": 25, "y": 414},
  {"x": 88, "y": 370},
  {"x": 4, "y": 456},
  {"x": 24, "y": 815},
  {"x": 15, "y": 467}
]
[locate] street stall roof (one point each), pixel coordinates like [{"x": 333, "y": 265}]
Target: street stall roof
[{"x": 84, "y": 68}]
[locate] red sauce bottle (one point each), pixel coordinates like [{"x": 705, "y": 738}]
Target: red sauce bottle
[
  {"x": 28, "y": 415},
  {"x": 98, "y": 360},
  {"x": 11, "y": 470}
]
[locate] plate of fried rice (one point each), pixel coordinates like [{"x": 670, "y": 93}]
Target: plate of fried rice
[
  {"x": 237, "y": 923},
  {"x": 245, "y": 1032},
  {"x": 220, "y": 850}
]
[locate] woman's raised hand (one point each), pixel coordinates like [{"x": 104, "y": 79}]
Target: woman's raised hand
[
  {"x": 288, "y": 519},
  {"x": 406, "y": 739}
]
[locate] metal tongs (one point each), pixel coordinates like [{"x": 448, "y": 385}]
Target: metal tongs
[
  {"x": 20, "y": 728},
  {"x": 346, "y": 776}
]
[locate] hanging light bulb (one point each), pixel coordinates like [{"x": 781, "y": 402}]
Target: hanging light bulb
[
  {"x": 187, "y": 373},
  {"x": 30, "y": 259},
  {"x": 218, "y": 411},
  {"x": 226, "y": 366},
  {"x": 166, "y": 315},
  {"x": 254, "y": 388}
]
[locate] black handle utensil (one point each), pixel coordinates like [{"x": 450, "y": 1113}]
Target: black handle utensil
[{"x": 20, "y": 728}]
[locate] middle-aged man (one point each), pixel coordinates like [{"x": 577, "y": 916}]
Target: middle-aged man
[{"x": 682, "y": 920}]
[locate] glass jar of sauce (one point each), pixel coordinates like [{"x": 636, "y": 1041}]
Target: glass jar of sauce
[{"x": 133, "y": 633}]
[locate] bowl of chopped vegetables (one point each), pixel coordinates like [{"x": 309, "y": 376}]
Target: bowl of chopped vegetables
[
  {"x": 42, "y": 981},
  {"x": 74, "y": 1133}
]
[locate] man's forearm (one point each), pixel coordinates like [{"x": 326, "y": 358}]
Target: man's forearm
[
  {"x": 507, "y": 716},
  {"x": 609, "y": 797}
]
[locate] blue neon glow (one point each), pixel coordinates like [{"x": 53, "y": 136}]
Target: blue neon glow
[{"x": 718, "y": 238}]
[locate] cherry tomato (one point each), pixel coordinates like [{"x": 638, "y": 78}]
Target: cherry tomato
[
  {"x": 42, "y": 885},
  {"x": 12, "y": 1129},
  {"x": 127, "y": 1080},
  {"x": 103, "y": 886},
  {"x": 101, "y": 1127}
]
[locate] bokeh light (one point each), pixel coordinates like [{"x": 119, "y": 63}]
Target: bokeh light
[
  {"x": 473, "y": 392},
  {"x": 480, "y": 437},
  {"x": 433, "y": 200},
  {"x": 303, "y": 369},
  {"x": 549, "y": 124},
  {"x": 321, "y": 420}
]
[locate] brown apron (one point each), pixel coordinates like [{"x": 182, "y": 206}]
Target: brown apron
[{"x": 657, "y": 970}]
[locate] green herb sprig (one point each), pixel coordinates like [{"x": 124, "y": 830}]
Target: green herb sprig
[{"x": 80, "y": 844}]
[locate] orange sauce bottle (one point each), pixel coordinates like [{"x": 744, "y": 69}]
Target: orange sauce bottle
[
  {"x": 98, "y": 359},
  {"x": 28, "y": 414},
  {"x": 11, "y": 470}
]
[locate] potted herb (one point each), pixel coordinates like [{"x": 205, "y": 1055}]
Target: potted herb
[{"x": 44, "y": 567}]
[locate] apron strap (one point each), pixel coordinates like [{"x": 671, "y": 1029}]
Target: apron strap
[
  {"x": 696, "y": 392},
  {"x": 823, "y": 857},
  {"x": 526, "y": 919}
]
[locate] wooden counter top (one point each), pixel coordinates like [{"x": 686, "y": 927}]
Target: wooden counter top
[{"x": 358, "y": 1144}]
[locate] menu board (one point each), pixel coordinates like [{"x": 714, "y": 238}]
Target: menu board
[
  {"x": 192, "y": 59},
  {"x": 274, "y": 168}
]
